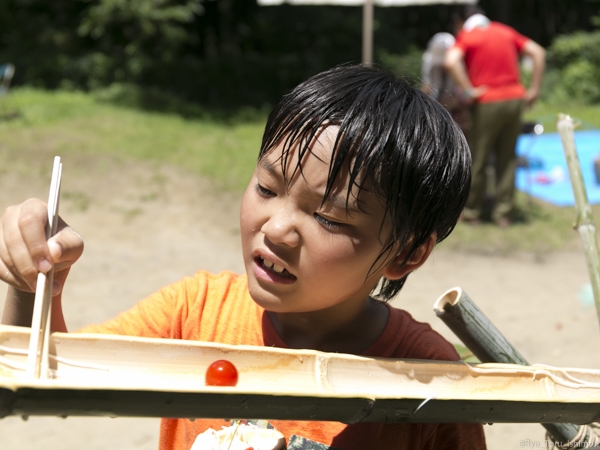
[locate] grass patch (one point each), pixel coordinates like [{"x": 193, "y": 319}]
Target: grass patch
[
  {"x": 588, "y": 116},
  {"x": 465, "y": 354},
  {"x": 44, "y": 123},
  {"x": 542, "y": 228}
]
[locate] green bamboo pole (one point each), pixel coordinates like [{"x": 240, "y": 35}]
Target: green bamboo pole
[
  {"x": 585, "y": 222},
  {"x": 488, "y": 344}
]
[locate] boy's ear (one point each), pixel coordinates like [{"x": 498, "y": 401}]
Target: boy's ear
[{"x": 396, "y": 270}]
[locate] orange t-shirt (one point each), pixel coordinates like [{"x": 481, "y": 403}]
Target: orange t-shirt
[{"x": 218, "y": 308}]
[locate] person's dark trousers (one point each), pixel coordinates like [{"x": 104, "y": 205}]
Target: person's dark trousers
[{"x": 494, "y": 126}]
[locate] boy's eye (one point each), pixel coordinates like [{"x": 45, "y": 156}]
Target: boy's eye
[
  {"x": 327, "y": 223},
  {"x": 264, "y": 191}
]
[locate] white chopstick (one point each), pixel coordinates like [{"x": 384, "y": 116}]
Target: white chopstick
[{"x": 37, "y": 360}]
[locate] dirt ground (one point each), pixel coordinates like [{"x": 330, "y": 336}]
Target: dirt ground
[{"x": 147, "y": 225}]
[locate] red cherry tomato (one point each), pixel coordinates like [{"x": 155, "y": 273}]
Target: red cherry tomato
[{"x": 221, "y": 373}]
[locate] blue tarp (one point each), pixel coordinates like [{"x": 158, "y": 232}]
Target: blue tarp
[{"x": 547, "y": 176}]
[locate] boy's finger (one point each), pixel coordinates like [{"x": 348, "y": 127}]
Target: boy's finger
[
  {"x": 59, "y": 281},
  {"x": 8, "y": 272},
  {"x": 14, "y": 252},
  {"x": 32, "y": 222},
  {"x": 65, "y": 247},
  {"x": 9, "y": 278}
]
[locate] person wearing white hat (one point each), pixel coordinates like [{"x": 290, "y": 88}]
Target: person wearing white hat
[{"x": 437, "y": 82}]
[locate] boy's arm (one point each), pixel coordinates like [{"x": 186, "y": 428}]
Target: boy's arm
[
  {"x": 18, "y": 310},
  {"x": 24, "y": 252}
]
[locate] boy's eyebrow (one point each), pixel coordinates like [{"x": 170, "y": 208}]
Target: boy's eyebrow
[
  {"x": 270, "y": 167},
  {"x": 337, "y": 201}
]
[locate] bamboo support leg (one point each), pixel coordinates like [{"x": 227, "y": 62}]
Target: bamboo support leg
[
  {"x": 486, "y": 342},
  {"x": 585, "y": 222}
]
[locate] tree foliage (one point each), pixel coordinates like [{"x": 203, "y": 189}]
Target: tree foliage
[
  {"x": 575, "y": 60},
  {"x": 233, "y": 52},
  {"x": 130, "y": 36}
]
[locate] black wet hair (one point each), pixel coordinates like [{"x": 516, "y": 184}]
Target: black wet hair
[{"x": 391, "y": 137}]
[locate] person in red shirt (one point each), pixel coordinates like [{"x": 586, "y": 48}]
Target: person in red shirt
[{"x": 484, "y": 61}]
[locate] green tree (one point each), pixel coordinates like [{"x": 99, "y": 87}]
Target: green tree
[
  {"x": 574, "y": 66},
  {"x": 132, "y": 37}
]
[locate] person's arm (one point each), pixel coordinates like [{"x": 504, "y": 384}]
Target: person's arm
[
  {"x": 454, "y": 64},
  {"x": 24, "y": 252},
  {"x": 18, "y": 310},
  {"x": 538, "y": 56}
]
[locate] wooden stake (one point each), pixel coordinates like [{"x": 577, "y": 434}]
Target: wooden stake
[
  {"x": 585, "y": 222},
  {"x": 474, "y": 329}
]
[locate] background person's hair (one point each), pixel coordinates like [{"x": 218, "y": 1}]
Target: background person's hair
[{"x": 391, "y": 134}]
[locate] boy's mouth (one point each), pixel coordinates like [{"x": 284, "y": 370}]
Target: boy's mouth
[{"x": 274, "y": 268}]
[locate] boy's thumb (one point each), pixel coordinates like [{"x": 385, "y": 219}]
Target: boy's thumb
[{"x": 65, "y": 248}]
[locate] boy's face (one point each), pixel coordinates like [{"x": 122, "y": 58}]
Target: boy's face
[{"x": 301, "y": 256}]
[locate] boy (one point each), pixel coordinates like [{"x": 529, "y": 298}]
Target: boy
[{"x": 359, "y": 174}]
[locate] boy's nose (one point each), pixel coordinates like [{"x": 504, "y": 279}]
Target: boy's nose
[{"x": 281, "y": 228}]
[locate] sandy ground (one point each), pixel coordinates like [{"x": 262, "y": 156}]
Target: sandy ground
[{"x": 146, "y": 226}]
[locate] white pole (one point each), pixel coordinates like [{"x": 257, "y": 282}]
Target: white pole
[{"x": 367, "y": 50}]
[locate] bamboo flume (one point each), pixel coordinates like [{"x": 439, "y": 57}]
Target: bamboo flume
[{"x": 101, "y": 375}]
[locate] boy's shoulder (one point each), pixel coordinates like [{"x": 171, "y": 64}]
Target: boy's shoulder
[
  {"x": 405, "y": 337},
  {"x": 204, "y": 284},
  {"x": 225, "y": 276}
]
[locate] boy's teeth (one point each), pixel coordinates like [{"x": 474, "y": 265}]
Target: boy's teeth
[{"x": 275, "y": 267}]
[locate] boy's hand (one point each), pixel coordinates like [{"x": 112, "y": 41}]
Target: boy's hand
[{"x": 24, "y": 250}]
